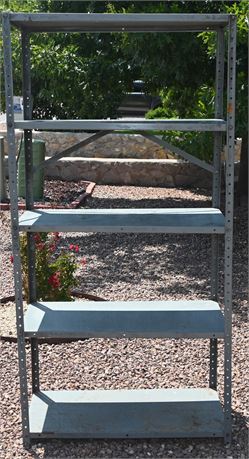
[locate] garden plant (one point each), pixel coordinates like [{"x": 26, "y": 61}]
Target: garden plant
[{"x": 55, "y": 268}]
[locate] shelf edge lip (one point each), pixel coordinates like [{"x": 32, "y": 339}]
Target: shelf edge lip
[
  {"x": 112, "y": 309},
  {"x": 39, "y": 22},
  {"x": 97, "y": 395},
  {"x": 37, "y": 335},
  {"x": 29, "y": 222},
  {"x": 119, "y": 124},
  {"x": 78, "y": 229}
]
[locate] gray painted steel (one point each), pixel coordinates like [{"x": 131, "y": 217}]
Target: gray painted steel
[
  {"x": 14, "y": 225},
  {"x": 213, "y": 360},
  {"x": 197, "y": 220},
  {"x": 124, "y": 413},
  {"x": 70, "y": 150},
  {"x": 170, "y": 413},
  {"x": 148, "y": 319},
  {"x": 3, "y": 188},
  {"x": 138, "y": 125},
  {"x": 27, "y": 111},
  {"x": 217, "y": 158},
  {"x": 219, "y": 89},
  {"x": 180, "y": 152},
  {"x": 74, "y": 22},
  {"x": 228, "y": 273},
  {"x": 28, "y": 151}
]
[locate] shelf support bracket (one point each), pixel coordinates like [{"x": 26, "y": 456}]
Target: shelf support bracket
[
  {"x": 178, "y": 151},
  {"x": 71, "y": 149}
]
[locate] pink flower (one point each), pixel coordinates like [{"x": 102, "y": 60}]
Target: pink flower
[
  {"x": 83, "y": 261},
  {"x": 71, "y": 246},
  {"x": 56, "y": 235}
]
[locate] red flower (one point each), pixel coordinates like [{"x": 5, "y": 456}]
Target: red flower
[
  {"x": 37, "y": 237},
  {"x": 54, "y": 280},
  {"x": 52, "y": 248},
  {"x": 74, "y": 247},
  {"x": 40, "y": 246},
  {"x": 11, "y": 259},
  {"x": 56, "y": 235}
]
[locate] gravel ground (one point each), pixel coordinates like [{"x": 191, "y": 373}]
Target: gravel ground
[
  {"x": 61, "y": 192},
  {"x": 136, "y": 267}
]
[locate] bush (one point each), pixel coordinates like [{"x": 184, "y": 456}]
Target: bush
[
  {"x": 198, "y": 144},
  {"x": 55, "y": 274}
]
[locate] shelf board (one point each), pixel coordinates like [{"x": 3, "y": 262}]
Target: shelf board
[
  {"x": 94, "y": 22},
  {"x": 118, "y": 319},
  {"x": 181, "y": 220},
  {"x": 126, "y": 413},
  {"x": 125, "y": 125}
]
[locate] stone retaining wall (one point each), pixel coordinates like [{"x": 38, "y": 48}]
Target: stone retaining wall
[
  {"x": 110, "y": 146},
  {"x": 119, "y": 159},
  {"x": 146, "y": 172}
]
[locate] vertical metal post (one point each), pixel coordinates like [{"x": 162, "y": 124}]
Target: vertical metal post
[
  {"x": 27, "y": 111},
  {"x": 3, "y": 192},
  {"x": 15, "y": 225},
  {"x": 229, "y": 228},
  {"x": 219, "y": 88}
]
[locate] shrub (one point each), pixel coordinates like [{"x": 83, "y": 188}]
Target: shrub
[
  {"x": 198, "y": 144},
  {"x": 55, "y": 273}
]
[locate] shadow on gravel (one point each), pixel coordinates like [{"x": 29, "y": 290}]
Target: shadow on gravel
[
  {"x": 107, "y": 203},
  {"x": 154, "y": 448},
  {"x": 168, "y": 265},
  {"x": 133, "y": 258},
  {"x": 171, "y": 264}
]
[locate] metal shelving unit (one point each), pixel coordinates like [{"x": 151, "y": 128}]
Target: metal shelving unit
[{"x": 112, "y": 414}]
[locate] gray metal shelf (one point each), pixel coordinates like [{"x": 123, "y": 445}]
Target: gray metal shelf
[
  {"x": 94, "y": 22},
  {"x": 112, "y": 414},
  {"x": 213, "y": 125},
  {"x": 145, "y": 413},
  {"x": 196, "y": 220},
  {"x": 118, "y": 319}
]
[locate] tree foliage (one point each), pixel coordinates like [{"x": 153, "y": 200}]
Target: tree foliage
[
  {"x": 73, "y": 75},
  {"x": 86, "y": 75}
]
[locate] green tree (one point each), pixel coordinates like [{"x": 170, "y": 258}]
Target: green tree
[
  {"x": 86, "y": 75},
  {"x": 73, "y": 75},
  {"x": 240, "y": 9},
  {"x": 182, "y": 68}
]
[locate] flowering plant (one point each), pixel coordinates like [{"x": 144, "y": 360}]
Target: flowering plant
[{"x": 55, "y": 274}]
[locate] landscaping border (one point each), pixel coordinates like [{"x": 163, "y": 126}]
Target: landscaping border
[{"x": 73, "y": 205}]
